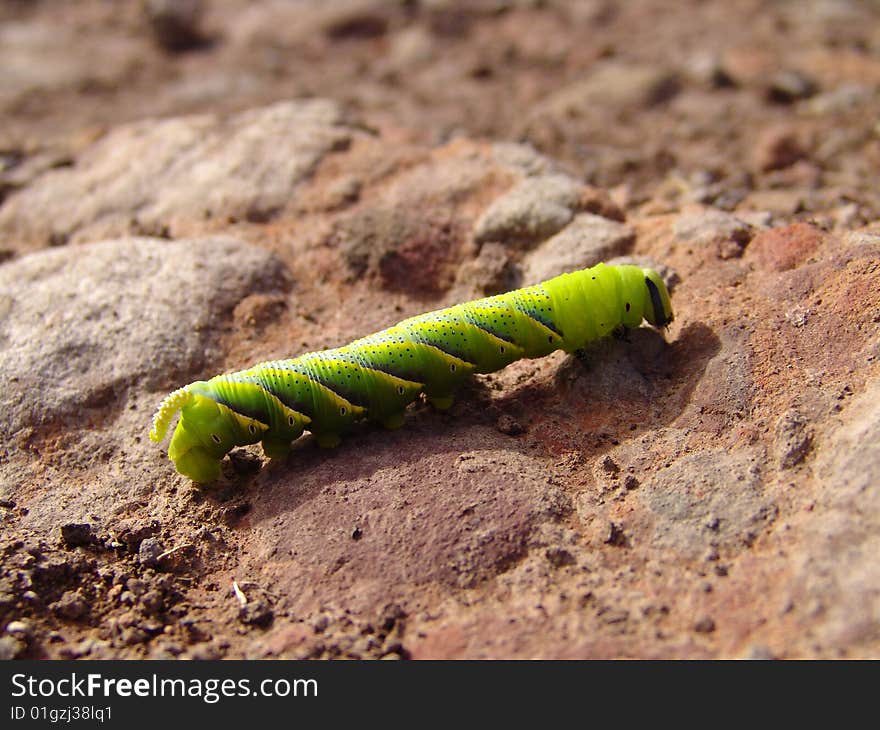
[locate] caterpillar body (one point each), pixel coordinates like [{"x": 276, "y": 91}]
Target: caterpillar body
[{"x": 378, "y": 376}]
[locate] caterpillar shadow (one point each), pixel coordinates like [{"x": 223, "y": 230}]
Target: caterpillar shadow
[{"x": 615, "y": 390}]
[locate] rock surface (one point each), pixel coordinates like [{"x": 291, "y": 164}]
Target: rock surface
[
  {"x": 173, "y": 210},
  {"x": 533, "y": 210},
  {"x": 834, "y": 577},
  {"x": 152, "y": 176},
  {"x": 112, "y": 314}
]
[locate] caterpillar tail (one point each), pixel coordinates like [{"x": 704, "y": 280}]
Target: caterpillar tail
[
  {"x": 206, "y": 432},
  {"x": 166, "y": 411}
]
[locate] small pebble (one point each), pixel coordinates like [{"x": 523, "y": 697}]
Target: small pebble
[
  {"x": 256, "y": 612},
  {"x": 20, "y": 629},
  {"x": 76, "y": 534},
  {"x": 788, "y": 86},
  {"x": 71, "y": 606},
  {"x": 793, "y": 439},
  {"x": 615, "y": 535},
  {"x": 149, "y": 552},
  {"x": 559, "y": 557},
  {"x": 630, "y": 482},
  {"x": 509, "y": 425}
]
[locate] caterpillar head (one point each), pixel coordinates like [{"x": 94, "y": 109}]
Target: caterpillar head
[
  {"x": 658, "y": 306},
  {"x": 206, "y": 432}
]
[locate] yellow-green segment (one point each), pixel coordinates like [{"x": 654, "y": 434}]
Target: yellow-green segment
[{"x": 378, "y": 376}]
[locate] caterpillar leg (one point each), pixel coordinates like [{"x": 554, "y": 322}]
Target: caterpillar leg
[
  {"x": 198, "y": 465},
  {"x": 441, "y": 403},
  {"x": 275, "y": 448},
  {"x": 328, "y": 440},
  {"x": 394, "y": 421}
]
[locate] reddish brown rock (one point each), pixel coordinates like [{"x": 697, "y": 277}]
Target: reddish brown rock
[
  {"x": 406, "y": 250},
  {"x": 781, "y": 249}
]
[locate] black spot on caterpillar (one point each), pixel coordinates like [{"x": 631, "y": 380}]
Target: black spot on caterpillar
[{"x": 378, "y": 376}]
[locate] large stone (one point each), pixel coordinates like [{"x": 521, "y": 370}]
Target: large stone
[
  {"x": 584, "y": 242},
  {"x": 531, "y": 211},
  {"x": 78, "y": 326},
  {"x": 164, "y": 176},
  {"x": 712, "y": 227}
]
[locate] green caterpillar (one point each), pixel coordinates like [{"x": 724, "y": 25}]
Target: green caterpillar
[{"x": 378, "y": 376}]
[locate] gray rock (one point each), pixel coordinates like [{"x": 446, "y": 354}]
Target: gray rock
[
  {"x": 76, "y": 534},
  {"x": 153, "y": 175},
  {"x": 708, "y": 68},
  {"x": 80, "y": 325},
  {"x": 509, "y": 425},
  {"x": 586, "y": 241},
  {"x": 20, "y": 629},
  {"x": 149, "y": 552},
  {"x": 713, "y": 227},
  {"x": 38, "y": 54},
  {"x": 411, "y": 46},
  {"x": 778, "y": 147},
  {"x": 623, "y": 89},
  {"x": 708, "y": 499},
  {"x": 71, "y": 606},
  {"x": 757, "y": 219},
  {"x": 343, "y": 191},
  {"x": 862, "y": 238},
  {"x": 355, "y": 19},
  {"x": 759, "y": 652},
  {"x": 531, "y": 211}
]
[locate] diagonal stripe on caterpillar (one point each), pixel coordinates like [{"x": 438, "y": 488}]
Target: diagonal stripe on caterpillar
[{"x": 378, "y": 376}]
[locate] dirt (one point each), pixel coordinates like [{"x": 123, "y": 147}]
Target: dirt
[{"x": 191, "y": 188}]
